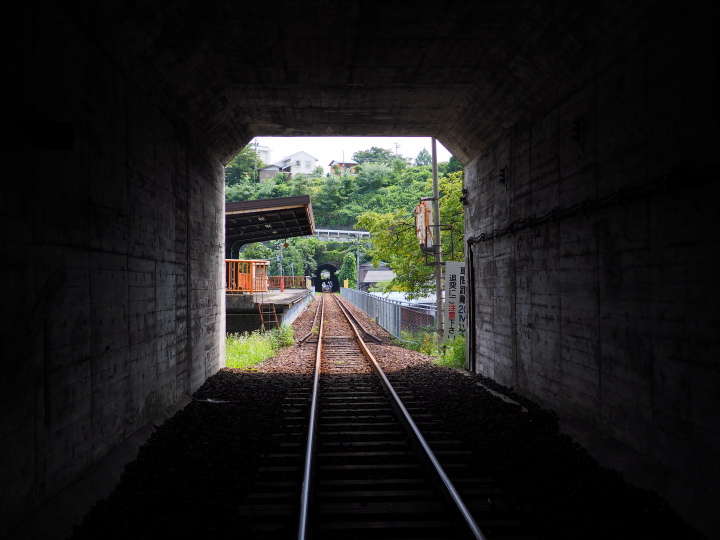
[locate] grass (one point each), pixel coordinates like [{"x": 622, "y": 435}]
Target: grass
[
  {"x": 425, "y": 341},
  {"x": 422, "y": 340},
  {"x": 453, "y": 354},
  {"x": 247, "y": 349}
]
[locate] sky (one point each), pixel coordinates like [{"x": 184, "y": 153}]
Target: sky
[{"x": 327, "y": 149}]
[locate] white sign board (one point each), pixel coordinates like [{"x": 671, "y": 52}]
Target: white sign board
[{"x": 455, "y": 293}]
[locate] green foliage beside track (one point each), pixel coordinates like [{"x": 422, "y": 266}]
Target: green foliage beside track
[{"x": 244, "y": 350}]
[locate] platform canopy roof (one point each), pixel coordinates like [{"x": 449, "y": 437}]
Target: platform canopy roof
[
  {"x": 268, "y": 219},
  {"x": 378, "y": 276}
]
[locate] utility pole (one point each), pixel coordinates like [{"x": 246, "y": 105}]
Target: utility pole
[
  {"x": 256, "y": 171},
  {"x": 282, "y": 277},
  {"x": 438, "y": 249},
  {"x": 357, "y": 262}
]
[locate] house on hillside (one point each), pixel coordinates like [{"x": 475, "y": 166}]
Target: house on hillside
[
  {"x": 297, "y": 163},
  {"x": 370, "y": 276},
  {"x": 348, "y": 166},
  {"x": 271, "y": 171}
]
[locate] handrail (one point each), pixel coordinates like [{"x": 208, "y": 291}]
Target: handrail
[{"x": 287, "y": 282}]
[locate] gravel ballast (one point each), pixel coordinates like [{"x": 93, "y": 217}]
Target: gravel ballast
[{"x": 190, "y": 477}]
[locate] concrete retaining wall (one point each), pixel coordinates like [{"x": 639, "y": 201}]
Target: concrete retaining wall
[
  {"x": 111, "y": 235},
  {"x": 611, "y": 316},
  {"x": 295, "y": 310}
]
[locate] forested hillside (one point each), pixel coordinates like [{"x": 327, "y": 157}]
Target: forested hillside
[{"x": 383, "y": 183}]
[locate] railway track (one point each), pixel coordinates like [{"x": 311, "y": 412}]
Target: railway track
[{"x": 356, "y": 460}]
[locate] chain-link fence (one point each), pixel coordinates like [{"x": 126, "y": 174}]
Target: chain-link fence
[
  {"x": 406, "y": 321},
  {"x": 242, "y": 322}
]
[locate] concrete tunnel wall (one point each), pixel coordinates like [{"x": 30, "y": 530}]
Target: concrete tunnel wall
[
  {"x": 113, "y": 227},
  {"x": 612, "y": 316}
]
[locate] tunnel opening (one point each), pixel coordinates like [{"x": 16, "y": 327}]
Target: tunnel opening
[{"x": 326, "y": 279}]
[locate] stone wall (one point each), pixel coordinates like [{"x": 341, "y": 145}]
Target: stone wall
[
  {"x": 610, "y": 313},
  {"x": 111, "y": 232}
]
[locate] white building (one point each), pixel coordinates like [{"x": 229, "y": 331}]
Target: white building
[
  {"x": 263, "y": 152},
  {"x": 297, "y": 163}
]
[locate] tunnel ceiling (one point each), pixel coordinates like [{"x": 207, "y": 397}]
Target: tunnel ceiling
[{"x": 461, "y": 71}]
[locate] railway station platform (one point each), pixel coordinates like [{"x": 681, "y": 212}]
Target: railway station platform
[{"x": 242, "y": 309}]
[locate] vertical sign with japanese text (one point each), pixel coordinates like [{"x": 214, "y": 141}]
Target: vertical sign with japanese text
[{"x": 455, "y": 292}]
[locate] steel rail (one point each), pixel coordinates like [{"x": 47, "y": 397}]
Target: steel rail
[
  {"x": 352, "y": 318},
  {"x": 312, "y": 432},
  {"x": 446, "y": 482}
]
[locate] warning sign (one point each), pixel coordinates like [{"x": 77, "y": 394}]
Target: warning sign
[{"x": 455, "y": 298}]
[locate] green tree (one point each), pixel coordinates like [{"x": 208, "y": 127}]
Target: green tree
[
  {"x": 348, "y": 270},
  {"x": 399, "y": 164},
  {"x": 373, "y": 176},
  {"x": 393, "y": 240},
  {"x": 293, "y": 261},
  {"x": 423, "y": 158},
  {"x": 349, "y": 185},
  {"x": 256, "y": 250},
  {"x": 452, "y": 215},
  {"x": 453, "y": 166},
  {"x": 374, "y": 155},
  {"x": 244, "y": 190},
  {"x": 331, "y": 195},
  {"x": 312, "y": 250},
  {"x": 300, "y": 184},
  {"x": 243, "y": 167}
]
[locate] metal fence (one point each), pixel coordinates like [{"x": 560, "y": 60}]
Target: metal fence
[
  {"x": 402, "y": 319},
  {"x": 240, "y": 323}
]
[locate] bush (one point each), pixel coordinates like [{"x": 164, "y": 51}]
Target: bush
[
  {"x": 250, "y": 348},
  {"x": 453, "y": 354},
  {"x": 422, "y": 340},
  {"x": 283, "y": 337}
]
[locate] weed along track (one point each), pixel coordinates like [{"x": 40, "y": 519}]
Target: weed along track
[{"x": 361, "y": 464}]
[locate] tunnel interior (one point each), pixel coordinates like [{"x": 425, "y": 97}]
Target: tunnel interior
[{"x": 588, "y": 134}]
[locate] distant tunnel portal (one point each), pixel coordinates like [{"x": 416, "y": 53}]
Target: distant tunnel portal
[{"x": 326, "y": 276}]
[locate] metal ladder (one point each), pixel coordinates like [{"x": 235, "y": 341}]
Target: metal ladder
[{"x": 268, "y": 315}]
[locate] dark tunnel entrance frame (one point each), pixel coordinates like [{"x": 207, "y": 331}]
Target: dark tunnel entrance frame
[{"x": 318, "y": 281}]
